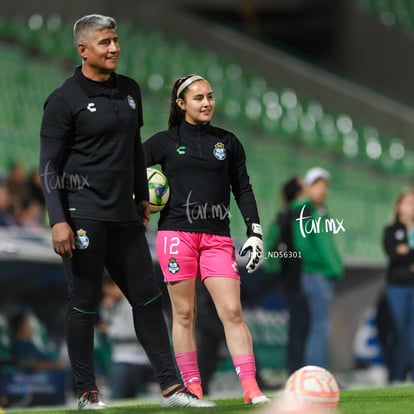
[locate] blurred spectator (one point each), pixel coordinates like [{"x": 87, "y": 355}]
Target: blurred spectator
[
  {"x": 35, "y": 189},
  {"x": 26, "y": 350},
  {"x": 130, "y": 370},
  {"x": 36, "y": 194},
  {"x": 5, "y": 344},
  {"x": 6, "y": 215},
  {"x": 398, "y": 242},
  {"x": 28, "y": 214},
  {"x": 321, "y": 263},
  {"x": 285, "y": 262},
  {"x": 21, "y": 200},
  {"x": 17, "y": 183}
]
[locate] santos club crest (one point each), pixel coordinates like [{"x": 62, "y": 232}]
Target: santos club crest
[
  {"x": 131, "y": 102},
  {"x": 173, "y": 266},
  {"x": 219, "y": 151},
  {"x": 81, "y": 239}
]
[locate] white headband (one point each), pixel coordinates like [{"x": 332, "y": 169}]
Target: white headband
[{"x": 187, "y": 83}]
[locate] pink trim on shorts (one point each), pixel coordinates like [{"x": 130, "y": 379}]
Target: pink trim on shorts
[{"x": 184, "y": 255}]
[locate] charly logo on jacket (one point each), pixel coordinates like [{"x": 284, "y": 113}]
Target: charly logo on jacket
[
  {"x": 91, "y": 107},
  {"x": 173, "y": 266},
  {"x": 81, "y": 239},
  {"x": 180, "y": 150},
  {"x": 131, "y": 102},
  {"x": 219, "y": 151}
]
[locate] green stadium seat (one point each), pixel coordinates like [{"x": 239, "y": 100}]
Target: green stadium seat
[
  {"x": 283, "y": 133},
  {"x": 391, "y": 12}
]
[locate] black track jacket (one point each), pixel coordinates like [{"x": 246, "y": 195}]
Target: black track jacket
[
  {"x": 91, "y": 156},
  {"x": 203, "y": 164},
  {"x": 400, "y": 269}
]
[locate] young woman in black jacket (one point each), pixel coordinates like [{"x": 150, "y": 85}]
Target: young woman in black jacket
[
  {"x": 398, "y": 241},
  {"x": 204, "y": 164}
]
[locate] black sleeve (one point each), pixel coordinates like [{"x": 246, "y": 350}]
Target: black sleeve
[
  {"x": 140, "y": 171},
  {"x": 55, "y": 130},
  {"x": 51, "y": 154},
  {"x": 140, "y": 182},
  {"x": 240, "y": 184},
  {"x": 154, "y": 149},
  {"x": 285, "y": 219},
  {"x": 387, "y": 242},
  {"x": 390, "y": 246}
]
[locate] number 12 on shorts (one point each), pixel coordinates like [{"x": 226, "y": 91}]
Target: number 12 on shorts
[{"x": 170, "y": 245}]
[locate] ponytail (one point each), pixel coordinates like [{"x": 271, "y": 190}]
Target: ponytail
[{"x": 176, "y": 113}]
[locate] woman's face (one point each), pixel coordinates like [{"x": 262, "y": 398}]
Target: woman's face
[
  {"x": 198, "y": 103},
  {"x": 406, "y": 207}
]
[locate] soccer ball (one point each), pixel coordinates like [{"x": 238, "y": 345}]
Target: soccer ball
[
  {"x": 158, "y": 188},
  {"x": 314, "y": 386}
]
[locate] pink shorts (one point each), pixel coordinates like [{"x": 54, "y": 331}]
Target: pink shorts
[{"x": 184, "y": 255}]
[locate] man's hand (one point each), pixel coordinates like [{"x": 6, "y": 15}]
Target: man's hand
[
  {"x": 253, "y": 246},
  {"x": 144, "y": 211},
  {"x": 63, "y": 239}
]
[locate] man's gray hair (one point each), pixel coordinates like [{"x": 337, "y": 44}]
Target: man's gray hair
[{"x": 91, "y": 22}]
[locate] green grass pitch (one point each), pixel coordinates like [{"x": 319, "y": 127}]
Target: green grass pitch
[{"x": 367, "y": 401}]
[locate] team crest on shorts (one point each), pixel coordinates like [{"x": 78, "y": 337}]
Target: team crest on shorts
[
  {"x": 219, "y": 151},
  {"x": 173, "y": 266},
  {"x": 81, "y": 240},
  {"x": 131, "y": 102}
]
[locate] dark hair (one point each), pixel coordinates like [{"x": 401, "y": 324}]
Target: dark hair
[
  {"x": 176, "y": 113},
  {"x": 291, "y": 188}
]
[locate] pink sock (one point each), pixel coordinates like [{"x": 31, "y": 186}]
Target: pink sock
[
  {"x": 245, "y": 366},
  {"x": 188, "y": 365}
]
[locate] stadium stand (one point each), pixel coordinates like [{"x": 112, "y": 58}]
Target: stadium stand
[
  {"x": 391, "y": 12},
  {"x": 283, "y": 132}
]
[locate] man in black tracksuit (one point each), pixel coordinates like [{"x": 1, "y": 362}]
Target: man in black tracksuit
[{"x": 92, "y": 165}]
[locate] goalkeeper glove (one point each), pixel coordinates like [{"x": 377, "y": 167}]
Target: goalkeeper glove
[{"x": 253, "y": 245}]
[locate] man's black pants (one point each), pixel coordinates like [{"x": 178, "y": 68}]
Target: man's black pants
[{"x": 121, "y": 248}]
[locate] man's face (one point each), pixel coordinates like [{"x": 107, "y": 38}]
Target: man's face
[
  {"x": 101, "y": 52},
  {"x": 318, "y": 191}
]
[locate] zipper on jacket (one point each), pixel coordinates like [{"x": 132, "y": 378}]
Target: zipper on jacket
[{"x": 200, "y": 152}]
